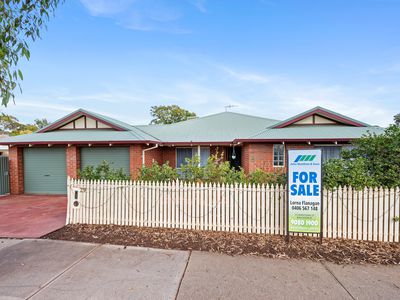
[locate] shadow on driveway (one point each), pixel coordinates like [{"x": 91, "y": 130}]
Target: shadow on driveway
[{"x": 31, "y": 216}]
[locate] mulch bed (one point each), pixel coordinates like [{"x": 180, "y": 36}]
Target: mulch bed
[{"x": 272, "y": 246}]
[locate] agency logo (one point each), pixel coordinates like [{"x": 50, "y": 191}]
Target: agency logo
[{"x": 304, "y": 158}]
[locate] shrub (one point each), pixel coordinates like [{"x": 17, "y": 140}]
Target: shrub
[
  {"x": 158, "y": 173},
  {"x": 216, "y": 170},
  {"x": 103, "y": 171},
  {"x": 261, "y": 177},
  {"x": 340, "y": 172},
  {"x": 375, "y": 161}
]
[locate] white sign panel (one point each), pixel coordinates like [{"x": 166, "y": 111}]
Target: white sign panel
[{"x": 305, "y": 190}]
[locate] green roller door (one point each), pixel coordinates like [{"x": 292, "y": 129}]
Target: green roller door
[
  {"x": 45, "y": 171},
  {"x": 117, "y": 156}
]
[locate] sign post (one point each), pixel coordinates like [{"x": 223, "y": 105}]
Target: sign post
[{"x": 304, "y": 196}]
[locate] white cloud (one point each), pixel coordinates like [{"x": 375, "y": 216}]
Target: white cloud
[
  {"x": 244, "y": 76},
  {"x": 144, "y": 15},
  {"x": 205, "y": 87},
  {"x": 199, "y": 4},
  {"x": 106, "y": 7}
]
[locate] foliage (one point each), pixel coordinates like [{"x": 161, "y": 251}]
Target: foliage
[
  {"x": 340, "y": 172},
  {"x": 170, "y": 114},
  {"x": 20, "y": 21},
  {"x": 216, "y": 170},
  {"x": 41, "y": 123},
  {"x": 158, "y": 173},
  {"x": 375, "y": 161},
  {"x": 103, "y": 171},
  {"x": 397, "y": 120},
  {"x": 11, "y": 126},
  {"x": 259, "y": 176}
]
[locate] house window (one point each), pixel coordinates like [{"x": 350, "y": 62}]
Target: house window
[
  {"x": 330, "y": 152},
  {"x": 279, "y": 155},
  {"x": 188, "y": 153}
]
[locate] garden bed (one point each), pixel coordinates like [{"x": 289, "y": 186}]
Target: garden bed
[{"x": 272, "y": 246}]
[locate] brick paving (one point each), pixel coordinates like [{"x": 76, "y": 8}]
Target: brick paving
[{"x": 31, "y": 216}]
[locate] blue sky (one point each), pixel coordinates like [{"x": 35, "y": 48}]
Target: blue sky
[{"x": 268, "y": 57}]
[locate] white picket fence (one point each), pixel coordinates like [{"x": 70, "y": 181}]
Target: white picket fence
[{"x": 363, "y": 215}]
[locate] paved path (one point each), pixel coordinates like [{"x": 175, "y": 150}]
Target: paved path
[
  {"x": 44, "y": 269},
  {"x": 31, "y": 216}
]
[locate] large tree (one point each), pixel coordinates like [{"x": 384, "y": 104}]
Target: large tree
[
  {"x": 20, "y": 21},
  {"x": 10, "y": 125},
  {"x": 170, "y": 114}
]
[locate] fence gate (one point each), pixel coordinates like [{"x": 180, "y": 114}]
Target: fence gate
[{"x": 4, "y": 177}]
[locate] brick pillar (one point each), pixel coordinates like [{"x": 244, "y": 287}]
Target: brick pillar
[
  {"x": 135, "y": 160},
  {"x": 246, "y": 158},
  {"x": 16, "y": 170},
  {"x": 73, "y": 161}
]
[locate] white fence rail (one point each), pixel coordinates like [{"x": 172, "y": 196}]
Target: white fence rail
[{"x": 363, "y": 215}]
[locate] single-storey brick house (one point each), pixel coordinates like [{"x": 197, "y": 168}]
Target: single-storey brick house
[{"x": 40, "y": 162}]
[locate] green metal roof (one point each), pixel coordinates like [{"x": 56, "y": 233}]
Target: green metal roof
[
  {"x": 315, "y": 132},
  {"x": 221, "y": 127},
  {"x": 84, "y": 136}
]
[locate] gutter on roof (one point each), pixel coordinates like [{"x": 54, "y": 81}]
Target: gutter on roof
[
  {"x": 293, "y": 140},
  {"x": 78, "y": 142}
]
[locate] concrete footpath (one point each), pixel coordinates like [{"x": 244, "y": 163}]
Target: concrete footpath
[{"x": 45, "y": 269}]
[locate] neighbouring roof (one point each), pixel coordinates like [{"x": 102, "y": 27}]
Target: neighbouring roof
[{"x": 221, "y": 128}]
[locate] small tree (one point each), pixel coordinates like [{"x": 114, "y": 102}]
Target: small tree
[{"x": 170, "y": 114}]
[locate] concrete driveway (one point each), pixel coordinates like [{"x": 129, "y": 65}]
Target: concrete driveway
[
  {"x": 31, "y": 216},
  {"x": 45, "y": 269}
]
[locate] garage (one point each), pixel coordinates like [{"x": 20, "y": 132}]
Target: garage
[
  {"x": 117, "y": 156},
  {"x": 45, "y": 170}
]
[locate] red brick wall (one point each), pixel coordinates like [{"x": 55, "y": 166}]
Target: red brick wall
[
  {"x": 260, "y": 156},
  {"x": 73, "y": 161},
  {"x": 168, "y": 155},
  {"x": 16, "y": 170},
  {"x": 153, "y": 155}
]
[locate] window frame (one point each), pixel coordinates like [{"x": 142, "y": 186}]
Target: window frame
[{"x": 283, "y": 156}]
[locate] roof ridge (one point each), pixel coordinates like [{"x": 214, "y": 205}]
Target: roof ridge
[{"x": 208, "y": 116}]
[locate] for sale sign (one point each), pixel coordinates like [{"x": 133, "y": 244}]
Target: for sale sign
[{"x": 304, "y": 191}]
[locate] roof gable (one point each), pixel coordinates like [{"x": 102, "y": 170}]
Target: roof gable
[
  {"x": 319, "y": 116},
  {"x": 83, "y": 119}
]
